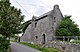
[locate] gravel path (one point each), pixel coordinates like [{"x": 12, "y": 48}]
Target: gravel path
[{"x": 15, "y": 47}]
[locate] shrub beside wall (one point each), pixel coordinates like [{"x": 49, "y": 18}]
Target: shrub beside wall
[{"x": 4, "y": 44}]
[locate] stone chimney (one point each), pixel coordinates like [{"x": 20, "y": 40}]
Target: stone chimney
[{"x": 56, "y": 6}]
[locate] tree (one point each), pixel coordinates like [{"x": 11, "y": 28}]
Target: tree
[
  {"x": 25, "y": 25},
  {"x": 67, "y": 27},
  {"x": 10, "y": 19},
  {"x": 10, "y": 23}
]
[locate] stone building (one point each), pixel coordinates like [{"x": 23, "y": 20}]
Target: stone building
[{"x": 42, "y": 29}]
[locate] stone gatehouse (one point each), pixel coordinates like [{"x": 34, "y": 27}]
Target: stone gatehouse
[{"x": 42, "y": 29}]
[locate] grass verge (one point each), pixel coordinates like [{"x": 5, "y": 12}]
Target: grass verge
[{"x": 40, "y": 48}]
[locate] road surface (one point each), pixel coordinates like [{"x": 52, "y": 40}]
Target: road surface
[{"x": 15, "y": 47}]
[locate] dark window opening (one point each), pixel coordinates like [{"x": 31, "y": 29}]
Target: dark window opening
[
  {"x": 35, "y": 24},
  {"x": 43, "y": 39},
  {"x": 36, "y": 37},
  {"x": 54, "y": 19}
]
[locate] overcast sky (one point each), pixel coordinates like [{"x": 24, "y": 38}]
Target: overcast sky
[{"x": 39, "y": 7}]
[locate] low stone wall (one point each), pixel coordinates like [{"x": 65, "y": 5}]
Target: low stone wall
[{"x": 64, "y": 46}]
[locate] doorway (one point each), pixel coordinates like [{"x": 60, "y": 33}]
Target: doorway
[{"x": 43, "y": 40}]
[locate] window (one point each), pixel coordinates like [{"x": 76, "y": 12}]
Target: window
[
  {"x": 36, "y": 37},
  {"x": 54, "y": 19},
  {"x": 43, "y": 39},
  {"x": 35, "y": 24}
]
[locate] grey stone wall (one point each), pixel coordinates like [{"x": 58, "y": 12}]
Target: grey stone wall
[
  {"x": 27, "y": 37},
  {"x": 65, "y": 46}
]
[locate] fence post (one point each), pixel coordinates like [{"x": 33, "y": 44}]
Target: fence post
[
  {"x": 77, "y": 37},
  {"x": 63, "y": 38},
  {"x": 68, "y": 38}
]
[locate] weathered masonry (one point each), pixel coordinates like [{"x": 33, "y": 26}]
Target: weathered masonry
[{"x": 42, "y": 29}]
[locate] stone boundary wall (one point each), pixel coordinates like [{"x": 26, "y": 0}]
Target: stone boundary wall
[{"x": 64, "y": 46}]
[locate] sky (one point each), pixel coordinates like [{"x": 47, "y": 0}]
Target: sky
[{"x": 39, "y": 7}]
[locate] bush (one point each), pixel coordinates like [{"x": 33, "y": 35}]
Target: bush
[
  {"x": 4, "y": 44},
  {"x": 76, "y": 41}
]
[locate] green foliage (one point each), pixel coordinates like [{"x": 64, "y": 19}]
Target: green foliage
[
  {"x": 10, "y": 19},
  {"x": 50, "y": 50},
  {"x": 4, "y": 44},
  {"x": 67, "y": 27},
  {"x": 25, "y": 25},
  {"x": 40, "y": 48},
  {"x": 10, "y": 23},
  {"x": 76, "y": 41}
]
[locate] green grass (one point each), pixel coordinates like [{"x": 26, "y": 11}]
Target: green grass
[
  {"x": 76, "y": 41},
  {"x": 40, "y": 48}
]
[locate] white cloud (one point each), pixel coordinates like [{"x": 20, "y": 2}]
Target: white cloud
[{"x": 38, "y": 7}]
